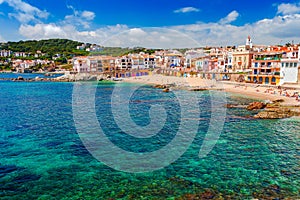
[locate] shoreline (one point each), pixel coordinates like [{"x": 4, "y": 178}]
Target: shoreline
[
  {"x": 266, "y": 93},
  {"x": 255, "y": 91}
]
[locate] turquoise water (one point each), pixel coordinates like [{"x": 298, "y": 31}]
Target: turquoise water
[
  {"x": 27, "y": 75},
  {"x": 42, "y": 156}
]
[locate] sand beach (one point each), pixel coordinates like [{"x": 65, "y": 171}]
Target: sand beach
[{"x": 263, "y": 92}]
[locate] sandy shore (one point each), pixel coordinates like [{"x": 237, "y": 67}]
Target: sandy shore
[{"x": 255, "y": 91}]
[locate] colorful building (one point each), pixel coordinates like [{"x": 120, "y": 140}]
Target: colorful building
[{"x": 265, "y": 68}]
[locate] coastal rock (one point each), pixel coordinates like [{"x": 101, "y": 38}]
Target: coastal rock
[
  {"x": 160, "y": 86},
  {"x": 235, "y": 106},
  {"x": 256, "y": 106},
  {"x": 273, "y": 105},
  {"x": 278, "y": 101},
  {"x": 275, "y": 113},
  {"x": 166, "y": 90},
  {"x": 20, "y": 78},
  {"x": 37, "y": 78},
  {"x": 197, "y": 89}
]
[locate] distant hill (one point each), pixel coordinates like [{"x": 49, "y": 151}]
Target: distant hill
[
  {"x": 50, "y": 46},
  {"x": 68, "y": 48},
  {"x": 118, "y": 51}
]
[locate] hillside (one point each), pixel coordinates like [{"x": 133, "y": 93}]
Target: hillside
[
  {"x": 50, "y": 46},
  {"x": 67, "y": 47}
]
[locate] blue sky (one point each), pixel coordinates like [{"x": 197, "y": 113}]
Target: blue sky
[{"x": 131, "y": 23}]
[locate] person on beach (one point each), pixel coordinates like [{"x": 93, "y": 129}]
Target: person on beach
[{"x": 287, "y": 94}]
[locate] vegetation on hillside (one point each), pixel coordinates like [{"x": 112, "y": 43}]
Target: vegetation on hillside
[
  {"x": 119, "y": 51},
  {"x": 49, "y": 47},
  {"x": 67, "y": 49}
]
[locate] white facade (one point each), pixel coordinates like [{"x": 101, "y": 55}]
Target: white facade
[
  {"x": 138, "y": 62},
  {"x": 81, "y": 66},
  {"x": 173, "y": 61},
  {"x": 290, "y": 63},
  {"x": 150, "y": 63},
  {"x": 202, "y": 64},
  {"x": 289, "y": 71},
  {"x": 123, "y": 63},
  {"x": 5, "y": 53}
]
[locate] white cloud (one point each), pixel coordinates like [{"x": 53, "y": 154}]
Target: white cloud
[
  {"x": 266, "y": 31},
  {"x": 288, "y": 8},
  {"x": 279, "y": 29},
  {"x": 186, "y": 10},
  {"x": 42, "y": 31},
  {"x": 88, "y": 15},
  {"x": 79, "y": 18},
  {"x": 230, "y": 17},
  {"x": 25, "y": 12}
]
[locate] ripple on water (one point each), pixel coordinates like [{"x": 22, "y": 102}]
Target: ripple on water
[{"x": 41, "y": 153}]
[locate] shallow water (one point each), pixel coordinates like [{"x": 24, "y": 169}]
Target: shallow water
[
  {"x": 42, "y": 156},
  {"x": 27, "y": 75}
]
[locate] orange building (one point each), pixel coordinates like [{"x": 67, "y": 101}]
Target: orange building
[{"x": 265, "y": 68}]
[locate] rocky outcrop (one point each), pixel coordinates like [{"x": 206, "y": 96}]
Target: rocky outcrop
[
  {"x": 166, "y": 90},
  {"x": 271, "y": 110},
  {"x": 160, "y": 86},
  {"x": 20, "y": 78},
  {"x": 79, "y": 77},
  {"x": 275, "y": 113},
  {"x": 198, "y": 89},
  {"x": 256, "y": 106},
  {"x": 235, "y": 106}
]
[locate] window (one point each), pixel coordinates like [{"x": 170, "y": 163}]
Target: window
[
  {"x": 273, "y": 80},
  {"x": 267, "y": 80},
  {"x": 295, "y": 64},
  {"x": 282, "y": 65}
]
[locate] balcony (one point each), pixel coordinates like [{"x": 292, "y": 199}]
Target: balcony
[
  {"x": 267, "y": 58},
  {"x": 266, "y": 74}
]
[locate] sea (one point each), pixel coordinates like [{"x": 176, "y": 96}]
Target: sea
[{"x": 61, "y": 140}]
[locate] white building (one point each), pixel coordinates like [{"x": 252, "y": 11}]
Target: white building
[
  {"x": 137, "y": 61},
  {"x": 289, "y": 70},
  {"x": 5, "y": 53},
  {"x": 202, "y": 63},
  {"x": 124, "y": 63},
  {"x": 150, "y": 62},
  {"x": 80, "y": 65}
]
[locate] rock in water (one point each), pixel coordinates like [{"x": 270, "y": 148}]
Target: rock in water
[
  {"x": 160, "y": 86},
  {"x": 275, "y": 113},
  {"x": 256, "y": 106},
  {"x": 20, "y": 78}
]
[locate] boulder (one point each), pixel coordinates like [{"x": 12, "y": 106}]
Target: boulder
[
  {"x": 256, "y": 106},
  {"x": 235, "y": 106},
  {"x": 278, "y": 101},
  {"x": 197, "y": 89},
  {"x": 160, "y": 86},
  {"x": 20, "y": 78},
  {"x": 166, "y": 90},
  {"x": 275, "y": 113}
]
